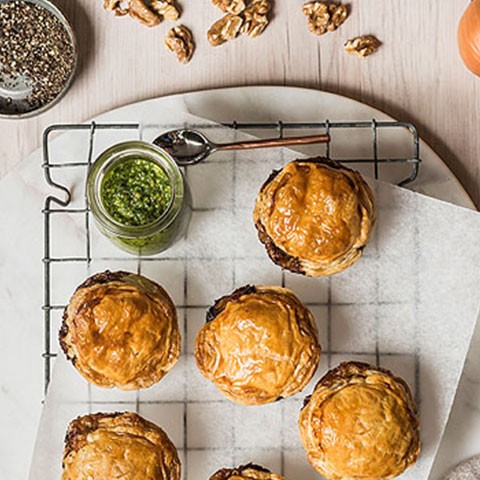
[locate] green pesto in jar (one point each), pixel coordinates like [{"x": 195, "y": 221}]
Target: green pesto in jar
[{"x": 136, "y": 192}]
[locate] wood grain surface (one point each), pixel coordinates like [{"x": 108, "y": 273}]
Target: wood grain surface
[{"x": 417, "y": 75}]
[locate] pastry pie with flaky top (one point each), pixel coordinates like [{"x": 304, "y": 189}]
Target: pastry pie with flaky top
[
  {"x": 259, "y": 344},
  {"x": 120, "y": 330},
  {"x": 245, "y": 472},
  {"x": 360, "y": 423},
  {"x": 315, "y": 216},
  {"x": 118, "y": 446}
]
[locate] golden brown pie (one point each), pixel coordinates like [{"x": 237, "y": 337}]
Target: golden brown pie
[
  {"x": 245, "y": 472},
  {"x": 315, "y": 216},
  {"x": 120, "y": 330},
  {"x": 118, "y": 446},
  {"x": 259, "y": 344},
  {"x": 360, "y": 423}
]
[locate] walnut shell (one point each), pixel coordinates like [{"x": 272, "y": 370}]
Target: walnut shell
[
  {"x": 360, "y": 423},
  {"x": 118, "y": 446},
  {"x": 259, "y": 345},
  {"x": 120, "y": 330},
  {"x": 315, "y": 216}
]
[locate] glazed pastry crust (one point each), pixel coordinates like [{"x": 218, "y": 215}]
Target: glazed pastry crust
[
  {"x": 259, "y": 344},
  {"x": 121, "y": 446},
  {"x": 315, "y": 216},
  {"x": 360, "y": 423},
  {"x": 120, "y": 330},
  {"x": 245, "y": 472}
]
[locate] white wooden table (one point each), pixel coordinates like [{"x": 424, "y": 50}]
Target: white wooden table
[{"x": 416, "y": 76}]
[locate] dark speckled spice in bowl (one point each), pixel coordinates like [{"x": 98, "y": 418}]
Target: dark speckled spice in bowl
[{"x": 38, "y": 57}]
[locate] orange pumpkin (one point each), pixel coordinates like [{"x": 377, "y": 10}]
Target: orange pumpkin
[{"x": 469, "y": 37}]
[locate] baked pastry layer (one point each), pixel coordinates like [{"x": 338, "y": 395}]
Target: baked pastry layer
[
  {"x": 259, "y": 344},
  {"x": 315, "y": 216},
  {"x": 245, "y": 472},
  {"x": 360, "y": 423},
  {"x": 121, "y": 446},
  {"x": 120, "y": 330}
]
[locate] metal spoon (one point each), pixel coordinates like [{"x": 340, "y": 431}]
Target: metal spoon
[{"x": 189, "y": 147}]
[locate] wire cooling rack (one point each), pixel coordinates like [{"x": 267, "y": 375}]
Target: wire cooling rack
[{"x": 56, "y": 169}]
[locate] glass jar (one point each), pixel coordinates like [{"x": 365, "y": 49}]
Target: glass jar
[{"x": 162, "y": 232}]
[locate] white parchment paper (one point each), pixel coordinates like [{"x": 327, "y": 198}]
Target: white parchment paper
[{"x": 410, "y": 304}]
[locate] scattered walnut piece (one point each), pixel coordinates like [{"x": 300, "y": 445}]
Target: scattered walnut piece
[
  {"x": 166, "y": 8},
  {"x": 179, "y": 40},
  {"x": 362, "y": 46},
  {"x": 323, "y": 17},
  {"x": 230, "y": 6},
  {"x": 117, "y": 6},
  {"x": 139, "y": 10},
  {"x": 227, "y": 28},
  {"x": 338, "y": 14},
  {"x": 318, "y": 17},
  {"x": 150, "y": 13},
  {"x": 255, "y": 18},
  {"x": 251, "y": 21}
]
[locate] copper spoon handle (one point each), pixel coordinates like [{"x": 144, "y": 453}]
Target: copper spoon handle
[{"x": 275, "y": 142}]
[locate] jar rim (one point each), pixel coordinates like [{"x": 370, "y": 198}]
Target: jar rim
[{"x": 121, "y": 152}]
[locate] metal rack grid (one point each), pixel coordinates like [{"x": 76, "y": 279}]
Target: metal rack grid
[{"x": 55, "y": 205}]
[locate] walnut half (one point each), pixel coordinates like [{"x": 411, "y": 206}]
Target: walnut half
[
  {"x": 179, "y": 40},
  {"x": 166, "y": 8},
  {"x": 227, "y": 28},
  {"x": 140, "y": 11},
  {"x": 117, "y": 6},
  {"x": 255, "y": 18},
  {"x": 230, "y": 6},
  {"x": 323, "y": 17},
  {"x": 150, "y": 13},
  {"x": 362, "y": 46}
]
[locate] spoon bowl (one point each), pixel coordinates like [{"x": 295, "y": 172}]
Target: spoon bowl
[{"x": 186, "y": 146}]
